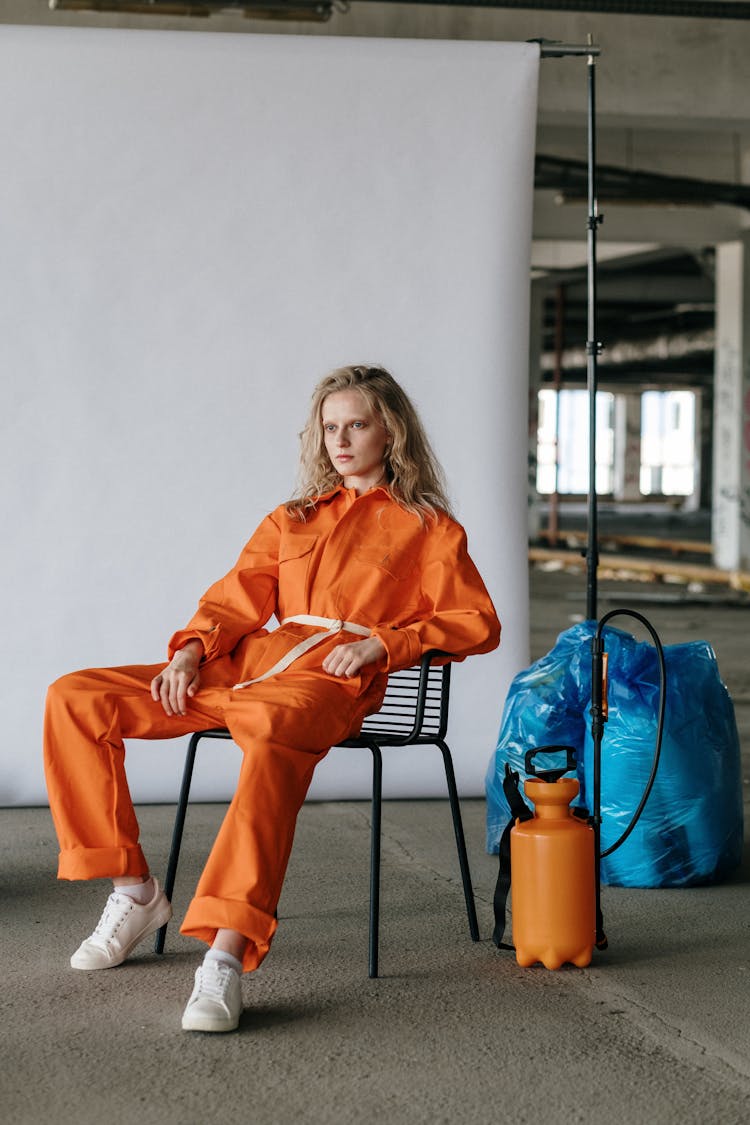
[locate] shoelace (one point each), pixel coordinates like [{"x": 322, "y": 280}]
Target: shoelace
[
  {"x": 115, "y": 912},
  {"x": 213, "y": 981}
]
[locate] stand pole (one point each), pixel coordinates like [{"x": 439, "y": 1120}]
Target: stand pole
[
  {"x": 593, "y": 347},
  {"x": 550, "y": 49},
  {"x": 597, "y": 730}
]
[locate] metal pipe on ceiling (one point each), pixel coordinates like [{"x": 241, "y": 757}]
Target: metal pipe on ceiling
[
  {"x": 323, "y": 9},
  {"x": 291, "y": 10},
  {"x": 686, "y": 9}
]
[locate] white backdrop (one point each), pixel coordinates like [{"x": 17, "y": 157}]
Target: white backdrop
[{"x": 194, "y": 229}]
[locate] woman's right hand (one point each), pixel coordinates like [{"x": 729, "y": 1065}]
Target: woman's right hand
[{"x": 180, "y": 679}]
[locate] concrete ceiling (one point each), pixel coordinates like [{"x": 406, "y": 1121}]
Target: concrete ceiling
[{"x": 673, "y": 99}]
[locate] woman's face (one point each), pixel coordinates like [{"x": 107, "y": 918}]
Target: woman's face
[{"x": 355, "y": 439}]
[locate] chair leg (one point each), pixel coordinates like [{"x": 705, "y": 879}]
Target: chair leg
[
  {"x": 179, "y": 824},
  {"x": 377, "y": 792},
  {"x": 458, "y": 829}
]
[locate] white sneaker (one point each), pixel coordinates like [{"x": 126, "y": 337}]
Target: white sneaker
[
  {"x": 216, "y": 1001},
  {"x": 122, "y": 925}
]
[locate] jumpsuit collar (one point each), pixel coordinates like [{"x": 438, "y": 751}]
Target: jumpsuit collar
[{"x": 340, "y": 489}]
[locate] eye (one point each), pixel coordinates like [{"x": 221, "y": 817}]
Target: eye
[
  {"x": 329, "y": 427},
  {"x": 358, "y": 425}
]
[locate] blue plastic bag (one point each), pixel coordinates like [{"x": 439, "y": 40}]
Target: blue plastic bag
[{"x": 690, "y": 831}]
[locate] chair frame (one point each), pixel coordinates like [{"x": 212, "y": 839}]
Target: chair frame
[{"x": 414, "y": 713}]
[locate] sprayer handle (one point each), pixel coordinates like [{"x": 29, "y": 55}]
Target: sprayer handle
[{"x": 551, "y": 775}]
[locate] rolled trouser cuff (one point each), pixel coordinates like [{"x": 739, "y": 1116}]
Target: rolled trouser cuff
[
  {"x": 207, "y": 914},
  {"x": 101, "y": 863}
]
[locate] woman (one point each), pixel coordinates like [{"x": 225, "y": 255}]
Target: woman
[{"x": 365, "y": 571}]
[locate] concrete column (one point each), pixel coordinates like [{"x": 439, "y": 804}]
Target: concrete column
[
  {"x": 627, "y": 474},
  {"x": 692, "y": 503},
  {"x": 731, "y": 470},
  {"x": 536, "y": 345}
]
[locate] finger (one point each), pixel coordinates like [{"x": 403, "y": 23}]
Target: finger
[
  {"x": 155, "y": 688},
  {"x": 164, "y": 696},
  {"x": 185, "y": 688},
  {"x": 348, "y": 666},
  {"x": 180, "y": 690},
  {"x": 174, "y": 695},
  {"x": 339, "y": 656},
  {"x": 340, "y": 665}
]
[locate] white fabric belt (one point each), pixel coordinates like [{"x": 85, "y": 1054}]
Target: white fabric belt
[{"x": 330, "y": 626}]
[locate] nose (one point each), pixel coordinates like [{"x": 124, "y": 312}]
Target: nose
[{"x": 342, "y": 438}]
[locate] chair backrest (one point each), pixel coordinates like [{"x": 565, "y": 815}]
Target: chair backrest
[{"x": 415, "y": 707}]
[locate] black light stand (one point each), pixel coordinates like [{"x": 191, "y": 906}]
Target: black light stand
[{"x": 593, "y": 346}]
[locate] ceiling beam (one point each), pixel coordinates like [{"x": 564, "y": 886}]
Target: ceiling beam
[
  {"x": 323, "y": 9},
  {"x": 685, "y": 9}
]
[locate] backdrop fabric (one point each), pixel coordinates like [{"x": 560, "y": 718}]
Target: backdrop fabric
[{"x": 195, "y": 228}]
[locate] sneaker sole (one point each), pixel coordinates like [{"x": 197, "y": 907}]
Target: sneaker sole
[
  {"x": 151, "y": 928},
  {"x": 203, "y": 1023}
]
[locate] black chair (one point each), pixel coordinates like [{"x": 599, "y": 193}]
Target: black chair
[{"x": 414, "y": 713}]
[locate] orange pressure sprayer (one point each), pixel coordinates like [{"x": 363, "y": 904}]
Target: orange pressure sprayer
[{"x": 554, "y": 875}]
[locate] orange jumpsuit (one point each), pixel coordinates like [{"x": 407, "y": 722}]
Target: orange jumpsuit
[{"x": 359, "y": 559}]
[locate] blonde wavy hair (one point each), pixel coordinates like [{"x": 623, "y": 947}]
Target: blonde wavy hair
[{"x": 414, "y": 475}]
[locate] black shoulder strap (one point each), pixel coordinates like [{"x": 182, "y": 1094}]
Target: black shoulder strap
[{"x": 519, "y": 810}]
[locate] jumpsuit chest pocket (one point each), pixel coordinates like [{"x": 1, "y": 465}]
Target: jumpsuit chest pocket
[{"x": 295, "y": 554}]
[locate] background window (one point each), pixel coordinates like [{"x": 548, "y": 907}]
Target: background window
[
  {"x": 668, "y": 443},
  {"x": 563, "y": 442}
]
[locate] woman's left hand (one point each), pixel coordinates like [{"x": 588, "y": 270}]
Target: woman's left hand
[{"x": 346, "y": 660}]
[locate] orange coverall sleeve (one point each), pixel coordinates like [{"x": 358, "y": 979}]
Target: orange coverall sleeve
[
  {"x": 458, "y": 615},
  {"x": 241, "y": 602}
]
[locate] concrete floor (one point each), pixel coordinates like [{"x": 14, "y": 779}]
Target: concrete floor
[{"x": 656, "y": 1031}]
